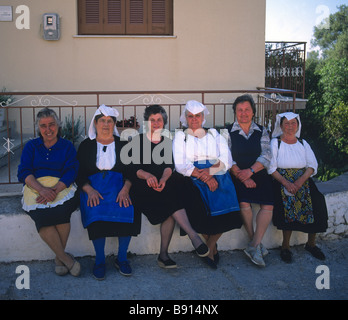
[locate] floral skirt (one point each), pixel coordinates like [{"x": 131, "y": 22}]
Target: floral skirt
[
  {"x": 297, "y": 207},
  {"x": 305, "y": 211}
]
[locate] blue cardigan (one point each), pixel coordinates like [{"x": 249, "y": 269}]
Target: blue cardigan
[{"x": 58, "y": 161}]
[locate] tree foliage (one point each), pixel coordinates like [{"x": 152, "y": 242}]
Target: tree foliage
[
  {"x": 332, "y": 35},
  {"x": 326, "y": 116}
]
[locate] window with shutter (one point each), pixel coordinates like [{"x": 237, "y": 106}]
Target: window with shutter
[
  {"x": 114, "y": 17},
  {"x": 121, "y": 17},
  {"x": 136, "y": 13}
]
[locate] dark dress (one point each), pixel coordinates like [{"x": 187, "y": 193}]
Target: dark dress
[
  {"x": 87, "y": 156},
  {"x": 157, "y": 206},
  {"x": 201, "y": 221},
  {"x": 198, "y": 214},
  {"x": 244, "y": 153}
]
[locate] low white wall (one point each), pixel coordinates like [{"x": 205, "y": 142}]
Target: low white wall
[{"x": 21, "y": 242}]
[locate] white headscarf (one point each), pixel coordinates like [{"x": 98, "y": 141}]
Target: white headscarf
[
  {"x": 277, "y": 132},
  {"x": 194, "y": 107},
  {"x": 106, "y": 111}
]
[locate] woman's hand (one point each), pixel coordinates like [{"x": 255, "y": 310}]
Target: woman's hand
[
  {"x": 123, "y": 198},
  {"x": 290, "y": 187},
  {"x": 94, "y": 198},
  {"x": 202, "y": 174},
  {"x": 244, "y": 175},
  {"x": 60, "y": 186},
  {"x": 205, "y": 175},
  {"x": 167, "y": 172},
  {"x": 93, "y": 195},
  {"x": 46, "y": 195},
  {"x": 212, "y": 184},
  {"x": 161, "y": 185},
  {"x": 235, "y": 170},
  {"x": 152, "y": 181},
  {"x": 249, "y": 183}
]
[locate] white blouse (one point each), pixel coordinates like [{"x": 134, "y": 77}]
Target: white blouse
[
  {"x": 106, "y": 159},
  {"x": 295, "y": 155},
  {"x": 187, "y": 149}
]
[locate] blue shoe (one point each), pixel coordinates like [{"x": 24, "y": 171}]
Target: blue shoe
[
  {"x": 99, "y": 271},
  {"x": 123, "y": 267}
]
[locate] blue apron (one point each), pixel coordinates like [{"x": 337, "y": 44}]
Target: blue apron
[
  {"x": 108, "y": 184},
  {"x": 224, "y": 199}
]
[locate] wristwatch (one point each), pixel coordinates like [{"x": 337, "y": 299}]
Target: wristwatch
[{"x": 252, "y": 170}]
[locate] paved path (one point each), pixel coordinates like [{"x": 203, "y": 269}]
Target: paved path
[{"x": 235, "y": 279}]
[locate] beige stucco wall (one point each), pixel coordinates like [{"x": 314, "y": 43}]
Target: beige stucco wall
[{"x": 216, "y": 45}]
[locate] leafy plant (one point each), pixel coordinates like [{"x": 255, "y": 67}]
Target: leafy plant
[
  {"x": 325, "y": 124},
  {"x": 5, "y": 99},
  {"x": 71, "y": 129}
]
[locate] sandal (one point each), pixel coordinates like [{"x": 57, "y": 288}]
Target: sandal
[
  {"x": 60, "y": 269},
  {"x": 75, "y": 270}
]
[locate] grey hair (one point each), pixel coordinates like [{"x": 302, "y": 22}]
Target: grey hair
[
  {"x": 154, "y": 109},
  {"x": 47, "y": 113}
]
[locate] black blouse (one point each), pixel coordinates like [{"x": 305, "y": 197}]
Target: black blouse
[{"x": 87, "y": 157}]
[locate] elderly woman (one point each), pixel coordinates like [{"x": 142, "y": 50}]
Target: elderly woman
[
  {"x": 251, "y": 156},
  {"x": 203, "y": 157},
  {"x": 154, "y": 186},
  {"x": 299, "y": 205},
  {"x": 106, "y": 209},
  {"x": 48, "y": 169}
]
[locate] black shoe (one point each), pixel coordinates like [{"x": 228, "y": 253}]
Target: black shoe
[
  {"x": 202, "y": 250},
  {"x": 166, "y": 264},
  {"x": 315, "y": 252},
  {"x": 209, "y": 262},
  {"x": 286, "y": 255}
]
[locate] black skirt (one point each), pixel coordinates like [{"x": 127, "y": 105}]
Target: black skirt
[
  {"x": 200, "y": 220},
  {"x": 103, "y": 229},
  {"x": 262, "y": 194},
  {"x": 319, "y": 211},
  {"x": 157, "y": 206},
  {"x": 60, "y": 214}
]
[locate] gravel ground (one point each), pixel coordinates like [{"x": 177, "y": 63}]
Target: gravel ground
[{"x": 235, "y": 279}]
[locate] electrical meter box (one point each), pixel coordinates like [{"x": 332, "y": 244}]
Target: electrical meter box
[{"x": 51, "y": 27}]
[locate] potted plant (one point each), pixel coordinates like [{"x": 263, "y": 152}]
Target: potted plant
[
  {"x": 130, "y": 123},
  {"x": 5, "y": 100},
  {"x": 67, "y": 129}
]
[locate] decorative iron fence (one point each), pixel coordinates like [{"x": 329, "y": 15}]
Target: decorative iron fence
[
  {"x": 285, "y": 66},
  {"x": 76, "y": 109}
]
